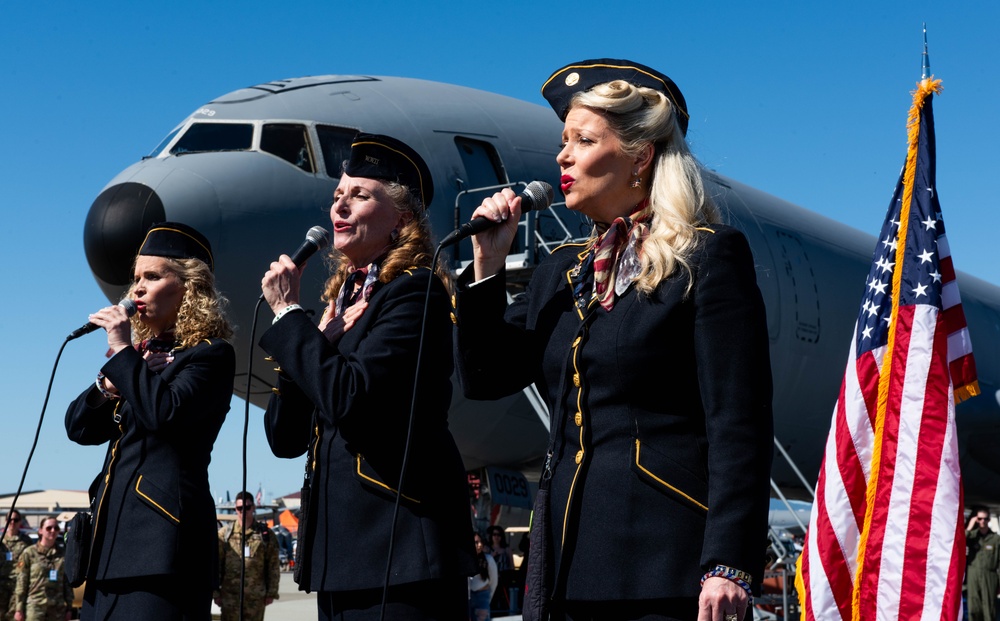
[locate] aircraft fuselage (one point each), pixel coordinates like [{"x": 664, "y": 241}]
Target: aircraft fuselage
[{"x": 255, "y": 168}]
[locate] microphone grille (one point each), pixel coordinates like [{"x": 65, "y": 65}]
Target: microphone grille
[
  {"x": 538, "y": 194},
  {"x": 129, "y": 306},
  {"x": 319, "y": 236}
]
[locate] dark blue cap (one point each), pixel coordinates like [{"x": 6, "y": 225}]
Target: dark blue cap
[
  {"x": 177, "y": 241},
  {"x": 584, "y": 75},
  {"x": 382, "y": 157}
]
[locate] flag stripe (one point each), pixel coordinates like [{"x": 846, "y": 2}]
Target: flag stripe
[
  {"x": 847, "y": 460},
  {"x": 947, "y": 268},
  {"x": 929, "y": 433},
  {"x": 874, "y": 532}
]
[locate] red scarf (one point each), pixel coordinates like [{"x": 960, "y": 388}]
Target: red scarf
[{"x": 608, "y": 249}]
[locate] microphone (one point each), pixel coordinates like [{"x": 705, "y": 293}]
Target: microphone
[
  {"x": 127, "y": 304},
  {"x": 537, "y": 196},
  {"x": 317, "y": 238}
]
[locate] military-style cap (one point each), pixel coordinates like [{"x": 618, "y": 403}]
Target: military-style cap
[
  {"x": 586, "y": 74},
  {"x": 381, "y": 157},
  {"x": 177, "y": 241}
]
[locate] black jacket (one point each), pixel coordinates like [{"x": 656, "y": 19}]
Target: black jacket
[
  {"x": 660, "y": 417},
  {"x": 349, "y": 403},
  {"x": 153, "y": 511}
]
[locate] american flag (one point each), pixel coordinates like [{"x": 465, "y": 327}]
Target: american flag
[{"x": 886, "y": 536}]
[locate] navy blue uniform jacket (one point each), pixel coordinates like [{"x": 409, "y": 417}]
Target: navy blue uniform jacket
[
  {"x": 660, "y": 417},
  {"x": 153, "y": 511},
  {"x": 349, "y": 403}
]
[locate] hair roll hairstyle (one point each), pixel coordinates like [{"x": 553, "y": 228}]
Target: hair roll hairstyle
[
  {"x": 640, "y": 116},
  {"x": 202, "y": 313}
]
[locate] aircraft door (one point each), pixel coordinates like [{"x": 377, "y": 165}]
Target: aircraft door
[
  {"x": 741, "y": 208},
  {"x": 766, "y": 272},
  {"x": 484, "y": 171},
  {"x": 805, "y": 295}
]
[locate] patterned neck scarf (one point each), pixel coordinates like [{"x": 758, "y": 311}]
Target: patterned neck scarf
[
  {"x": 609, "y": 259},
  {"x": 159, "y": 343},
  {"x": 350, "y": 292}
]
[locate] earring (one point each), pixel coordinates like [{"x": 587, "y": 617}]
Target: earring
[
  {"x": 637, "y": 181},
  {"x": 394, "y": 235}
]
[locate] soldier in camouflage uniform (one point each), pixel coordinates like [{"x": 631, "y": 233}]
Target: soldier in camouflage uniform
[
  {"x": 43, "y": 593},
  {"x": 14, "y": 544},
  {"x": 262, "y": 566}
]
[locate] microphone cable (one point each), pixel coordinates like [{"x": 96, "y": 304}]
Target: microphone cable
[
  {"x": 317, "y": 238},
  {"x": 406, "y": 448},
  {"x": 34, "y": 443},
  {"x": 409, "y": 434},
  {"x": 537, "y": 195},
  {"x": 246, "y": 428}
]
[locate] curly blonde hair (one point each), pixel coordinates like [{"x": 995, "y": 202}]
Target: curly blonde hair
[
  {"x": 202, "y": 313},
  {"x": 678, "y": 204},
  {"x": 413, "y": 247}
]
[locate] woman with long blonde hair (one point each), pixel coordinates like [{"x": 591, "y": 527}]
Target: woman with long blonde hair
[{"x": 649, "y": 343}]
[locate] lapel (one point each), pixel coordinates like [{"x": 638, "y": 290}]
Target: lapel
[
  {"x": 349, "y": 341},
  {"x": 179, "y": 356}
]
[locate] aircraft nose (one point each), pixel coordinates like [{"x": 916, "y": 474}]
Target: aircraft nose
[{"x": 115, "y": 228}]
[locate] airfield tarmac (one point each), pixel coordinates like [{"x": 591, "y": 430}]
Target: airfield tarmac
[{"x": 295, "y": 605}]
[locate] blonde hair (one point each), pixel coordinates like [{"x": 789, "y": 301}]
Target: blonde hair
[
  {"x": 678, "y": 204},
  {"x": 413, "y": 247},
  {"x": 202, "y": 312}
]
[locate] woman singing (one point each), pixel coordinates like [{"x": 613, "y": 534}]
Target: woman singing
[
  {"x": 650, "y": 345},
  {"x": 344, "y": 395},
  {"x": 158, "y": 404}
]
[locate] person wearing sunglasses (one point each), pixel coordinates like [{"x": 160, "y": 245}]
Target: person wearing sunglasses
[
  {"x": 255, "y": 541},
  {"x": 14, "y": 544},
  {"x": 43, "y": 593},
  {"x": 982, "y": 565}
]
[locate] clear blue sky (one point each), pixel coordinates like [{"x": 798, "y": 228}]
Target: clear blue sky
[{"x": 806, "y": 101}]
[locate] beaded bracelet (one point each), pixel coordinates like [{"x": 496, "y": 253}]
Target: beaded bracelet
[
  {"x": 741, "y": 578},
  {"x": 285, "y": 311},
  {"x": 107, "y": 394}
]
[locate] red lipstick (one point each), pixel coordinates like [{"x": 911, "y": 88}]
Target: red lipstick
[{"x": 566, "y": 182}]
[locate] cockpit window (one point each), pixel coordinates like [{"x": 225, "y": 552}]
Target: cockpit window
[
  {"x": 289, "y": 142},
  {"x": 163, "y": 143},
  {"x": 201, "y": 137},
  {"x": 336, "y": 145}
]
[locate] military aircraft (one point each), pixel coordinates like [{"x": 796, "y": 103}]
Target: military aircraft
[{"x": 255, "y": 168}]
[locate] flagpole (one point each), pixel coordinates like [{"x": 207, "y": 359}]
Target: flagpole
[{"x": 925, "y": 64}]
